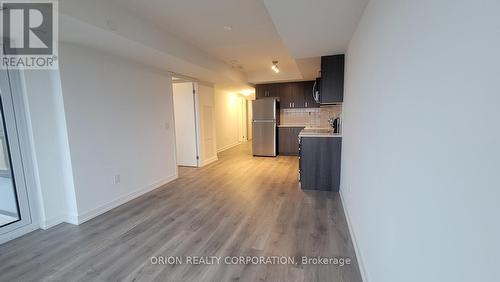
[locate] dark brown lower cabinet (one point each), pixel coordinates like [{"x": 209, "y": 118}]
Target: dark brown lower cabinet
[
  {"x": 288, "y": 138},
  {"x": 319, "y": 164}
]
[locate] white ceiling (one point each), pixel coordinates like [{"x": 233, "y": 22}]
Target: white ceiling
[
  {"x": 253, "y": 42},
  {"x": 308, "y": 29},
  {"x": 315, "y": 27}
]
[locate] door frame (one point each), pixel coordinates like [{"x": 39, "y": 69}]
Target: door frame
[
  {"x": 197, "y": 122},
  {"x": 242, "y": 119},
  {"x": 15, "y": 103}
]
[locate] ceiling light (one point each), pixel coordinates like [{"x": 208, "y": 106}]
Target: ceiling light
[
  {"x": 275, "y": 67},
  {"x": 228, "y": 28},
  {"x": 248, "y": 92}
]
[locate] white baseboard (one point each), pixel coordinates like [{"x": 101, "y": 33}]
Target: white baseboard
[
  {"x": 85, "y": 216},
  {"x": 209, "y": 161},
  {"x": 51, "y": 222},
  {"x": 228, "y": 147},
  {"x": 353, "y": 237},
  {"x": 72, "y": 219},
  {"x": 18, "y": 233}
]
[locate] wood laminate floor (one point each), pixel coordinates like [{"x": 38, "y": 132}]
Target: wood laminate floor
[{"x": 238, "y": 206}]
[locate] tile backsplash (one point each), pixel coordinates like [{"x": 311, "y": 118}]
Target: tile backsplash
[{"x": 310, "y": 117}]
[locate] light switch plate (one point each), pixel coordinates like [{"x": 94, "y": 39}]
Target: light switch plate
[{"x": 117, "y": 179}]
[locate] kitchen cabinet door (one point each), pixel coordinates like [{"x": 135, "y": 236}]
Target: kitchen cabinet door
[
  {"x": 274, "y": 90},
  {"x": 267, "y": 90},
  {"x": 289, "y": 140},
  {"x": 260, "y": 91},
  {"x": 320, "y": 160},
  {"x": 286, "y": 98},
  {"x": 297, "y": 92},
  {"x": 284, "y": 140},
  {"x": 332, "y": 79},
  {"x": 308, "y": 95}
]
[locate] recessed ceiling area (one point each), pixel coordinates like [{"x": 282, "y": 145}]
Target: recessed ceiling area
[
  {"x": 241, "y": 33},
  {"x": 249, "y": 35},
  {"x": 315, "y": 28}
]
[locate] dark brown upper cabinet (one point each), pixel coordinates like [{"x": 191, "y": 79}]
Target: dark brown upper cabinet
[
  {"x": 309, "y": 101},
  {"x": 298, "y": 95},
  {"x": 286, "y": 98},
  {"x": 332, "y": 79},
  {"x": 267, "y": 90},
  {"x": 260, "y": 91},
  {"x": 292, "y": 94}
]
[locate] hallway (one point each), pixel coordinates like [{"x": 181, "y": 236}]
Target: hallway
[{"x": 238, "y": 206}]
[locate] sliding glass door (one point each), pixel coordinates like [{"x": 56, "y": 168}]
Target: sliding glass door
[{"x": 14, "y": 208}]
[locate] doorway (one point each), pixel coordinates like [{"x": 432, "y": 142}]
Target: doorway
[
  {"x": 14, "y": 205},
  {"x": 186, "y": 123},
  {"x": 249, "y": 120},
  {"x": 242, "y": 119}
]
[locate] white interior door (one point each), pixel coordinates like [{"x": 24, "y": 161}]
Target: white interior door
[
  {"x": 185, "y": 114},
  {"x": 14, "y": 207}
]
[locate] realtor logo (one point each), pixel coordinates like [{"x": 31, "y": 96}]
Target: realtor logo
[{"x": 29, "y": 34}]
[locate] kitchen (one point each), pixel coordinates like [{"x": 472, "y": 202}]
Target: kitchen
[{"x": 304, "y": 119}]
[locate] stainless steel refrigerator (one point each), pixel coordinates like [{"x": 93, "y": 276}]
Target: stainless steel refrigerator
[{"x": 265, "y": 120}]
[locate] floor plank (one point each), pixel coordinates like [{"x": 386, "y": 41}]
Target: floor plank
[{"x": 238, "y": 206}]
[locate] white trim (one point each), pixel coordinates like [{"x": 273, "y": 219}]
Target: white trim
[
  {"x": 88, "y": 215},
  {"x": 23, "y": 129},
  {"x": 229, "y": 146},
  {"x": 17, "y": 233},
  {"x": 51, "y": 222},
  {"x": 197, "y": 123},
  {"x": 209, "y": 161},
  {"x": 359, "y": 257}
]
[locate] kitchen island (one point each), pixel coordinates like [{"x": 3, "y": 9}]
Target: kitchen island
[{"x": 319, "y": 159}]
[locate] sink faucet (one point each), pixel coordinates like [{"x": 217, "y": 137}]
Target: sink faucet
[
  {"x": 331, "y": 122},
  {"x": 334, "y": 124}
]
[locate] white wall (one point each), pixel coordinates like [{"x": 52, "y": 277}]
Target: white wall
[
  {"x": 104, "y": 24},
  {"x": 227, "y": 119},
  {"x": 50, "y": 149},
  {"x": 120, "y": 121},
  {"x": 421, "y": 140}
]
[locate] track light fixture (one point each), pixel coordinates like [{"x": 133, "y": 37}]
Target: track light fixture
[{"x": 275, "y": 67}]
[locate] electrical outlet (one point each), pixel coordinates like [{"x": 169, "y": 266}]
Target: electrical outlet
[{"x": 117, "y": 179}]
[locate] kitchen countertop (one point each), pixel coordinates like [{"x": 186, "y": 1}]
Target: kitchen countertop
[
  {"x": 292, "y": 125},
  {"x": 318, "y": 132}
]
